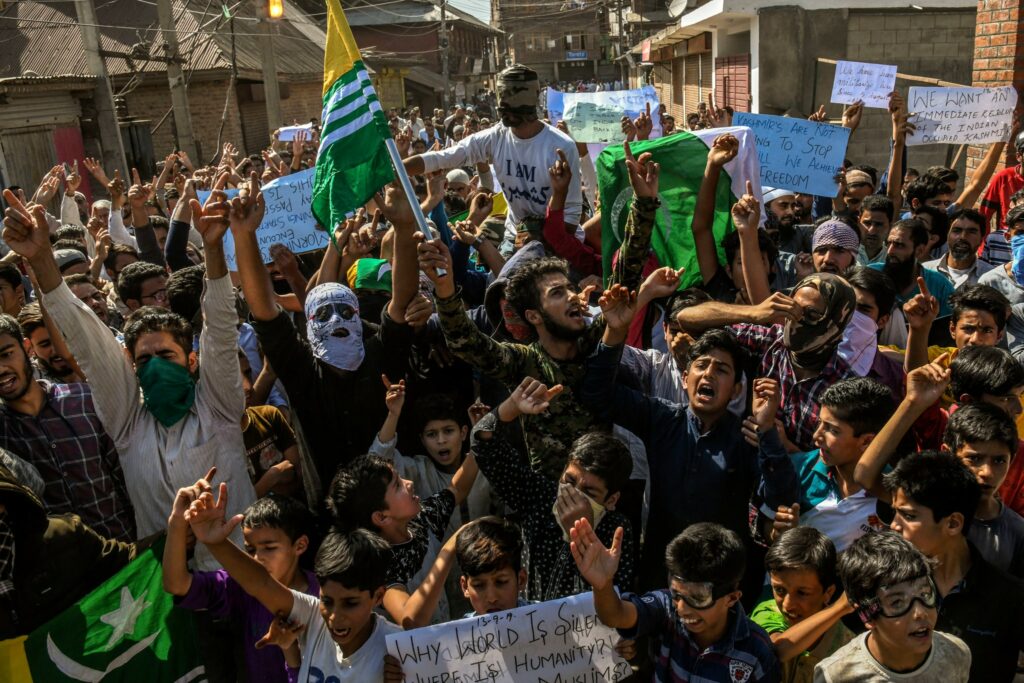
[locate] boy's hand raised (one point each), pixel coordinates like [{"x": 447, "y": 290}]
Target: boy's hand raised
[
  {"x": 928, "y": 383},
  {"x": 619, "y": 306},
  {"x": 394, "y": 398},
  {"x": 921, "y": 310},
  {"x": 281, "y": 632},
  {"x": 643, "y": 173},
  {"x": 596, "y": 563},
  {"x": 186, "y": 496},
  {"x": 25, "y": 228},
  {"x": 206, "y": 517}
]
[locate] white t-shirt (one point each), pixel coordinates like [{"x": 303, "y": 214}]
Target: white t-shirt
[
  {"x": 521, "y": 167},
  {"x": 323, "y": 660},
  {"x": 949, "y": 661}
]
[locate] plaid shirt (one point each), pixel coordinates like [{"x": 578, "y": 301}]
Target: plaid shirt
[
  {"x": 79, "y": 464},
  {"x": 799, "y": 407}
]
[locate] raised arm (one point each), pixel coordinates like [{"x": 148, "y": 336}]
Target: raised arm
[
  {"x": 920, "y": 313},
  {"x": 256, "y": 285},
  {"x": 901, "y": 127},
  {"x": 206, "y": 517},
  {"x": 800, "y": 638},
  {"x": 723, "y": 150},
  {"x": 177, "y": 579},
  {"x": 397, "y": 209},
  {"x": 643, "y": 177},
  {"x": 776, "y": 308},
  {"x": 925, "y": 386},
  {"x": 598, "y": 564},
  {"x": 420, "y": 605},
  {"x": 746, "y": 214}
]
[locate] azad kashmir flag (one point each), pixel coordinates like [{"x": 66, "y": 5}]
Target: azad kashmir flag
[
  {"x": 126, "y": 630},
  {"x": 352, "y": 162},
  {"x": 683, "y": 157}
]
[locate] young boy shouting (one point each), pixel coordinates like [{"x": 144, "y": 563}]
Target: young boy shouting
[
  {"x": 890, "y": 585},
  {"x": 274, "y": 528},
  {"x": 698, "y": 628},
  {"x": 801, "y": 618},
  {"x": 344, "y": 637}
]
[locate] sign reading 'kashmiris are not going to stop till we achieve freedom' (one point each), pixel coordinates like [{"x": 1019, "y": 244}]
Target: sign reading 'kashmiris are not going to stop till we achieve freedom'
[
  {"x": 561, "y": 640},
  {"x": 961, "y": 115},
  {"x": 797, "y": 154},
  {"x": 288, "y": 219}
]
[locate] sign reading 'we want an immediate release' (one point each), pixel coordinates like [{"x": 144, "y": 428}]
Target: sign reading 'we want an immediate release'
[
  {"x": 961, "y": 116},
  {"x": 561, "y": 640},
  {"x": 797, "y": 154}
]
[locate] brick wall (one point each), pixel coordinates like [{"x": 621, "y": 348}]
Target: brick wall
[
  {"x": 998, "y": 54},
  {"x": 206, "y": 101},
  {"x": 935, "y": 44}
]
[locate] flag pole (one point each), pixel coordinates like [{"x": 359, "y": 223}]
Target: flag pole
[{"x": 410, "y": 194}]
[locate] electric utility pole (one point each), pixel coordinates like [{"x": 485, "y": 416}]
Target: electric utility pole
[{"x": 183, "y": 137}]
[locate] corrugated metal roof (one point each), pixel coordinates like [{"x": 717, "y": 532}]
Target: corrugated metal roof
[
  {"x": 44, "y": 39},
  {"x": 408, "y": 12}
]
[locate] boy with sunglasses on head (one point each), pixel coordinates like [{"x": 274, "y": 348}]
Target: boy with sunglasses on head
[
  {"x": 697, "y": 627},
  {"x": 889, "y": 583}
]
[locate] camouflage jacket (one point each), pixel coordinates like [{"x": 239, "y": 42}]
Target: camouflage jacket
[{"x": 550, "y": 435}]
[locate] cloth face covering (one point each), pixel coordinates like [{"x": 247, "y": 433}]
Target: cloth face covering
[
  {"x": 813, "y": 340},
  {"x": 168, "y": 390},
  {"x": 333, "y": 327}
]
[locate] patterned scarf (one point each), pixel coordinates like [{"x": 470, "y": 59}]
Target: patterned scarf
[{"x": 813, "y": 340}]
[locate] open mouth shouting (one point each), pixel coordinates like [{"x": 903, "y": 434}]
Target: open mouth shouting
[
  {"x": 921, "y": 634},
  {"x": 8, "y": 382},
  {"x": 705, "y": 392}
]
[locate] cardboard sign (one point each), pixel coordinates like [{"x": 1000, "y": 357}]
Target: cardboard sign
[
  {"x": 558, "y": 640},
  {"x": 288, "y": 219},
  {"x": 961, "y": 115},
  {"x": 859, "y": 81},
  {"x": 797, "y": 154}
]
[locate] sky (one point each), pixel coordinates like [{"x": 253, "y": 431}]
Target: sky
[{"x": 481, "y": 9}]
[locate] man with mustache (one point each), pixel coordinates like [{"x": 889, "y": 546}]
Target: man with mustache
[
  {"x": 780, "y": 208},
  {"x": 961, "y": 264},
  {"x": 902, "y": 266}
]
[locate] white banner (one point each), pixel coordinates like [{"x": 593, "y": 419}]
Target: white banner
[
  {"x": 869, "y": 83},
  {"x": 558, "y": 640},
  {"x": 597, "y": 116},
  {"x": 961, "y": 115}
]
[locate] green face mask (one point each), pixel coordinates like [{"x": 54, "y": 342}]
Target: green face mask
[{"x": 168, "y": 390}]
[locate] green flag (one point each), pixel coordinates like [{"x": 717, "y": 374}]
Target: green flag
[
  {"x": 352, "y": 162},
  {"x": 683, "y": 157},
  {"x": 126, "y": 630}
]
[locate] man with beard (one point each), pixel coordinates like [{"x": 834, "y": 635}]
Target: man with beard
[
  {"x": 51, "y": 361},
  {"x": 521, "y": 149},
  {"x": 961, "y": 264},
  {"x": 902, "y": 266},
  {"x": 548, "y": 304},
  {"x": 781, "y": 221},
  {"x": 56, "y": 428},
  {"x": 834, "y": 248},
  {"x": 796, "y": 341}
]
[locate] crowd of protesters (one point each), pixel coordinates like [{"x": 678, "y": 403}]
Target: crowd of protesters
[{"x": 804, "y": 467}]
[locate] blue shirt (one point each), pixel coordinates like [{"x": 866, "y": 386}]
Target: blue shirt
[
  {"x": 696, "y": 475},
  {"x": 745, "y": 653},
  {"x": 939, "y": 286}
]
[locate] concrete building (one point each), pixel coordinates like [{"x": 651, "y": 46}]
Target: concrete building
[{"x": 762, "y": 56}]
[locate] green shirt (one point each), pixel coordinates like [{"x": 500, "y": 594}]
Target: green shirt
[{"x": 800, "y": 669}]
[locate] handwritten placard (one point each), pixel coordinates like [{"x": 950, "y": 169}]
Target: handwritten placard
[
  {"x": 561, "y": 640},
  {"x": 860, "y": 81},
  {"x": 287, "y": 134},
  {"x": 797, "y": 154},
  {"x": 596, "y": 116},
  {"x": 961, "y": 115},
  {"x": 288, "y": 219}
]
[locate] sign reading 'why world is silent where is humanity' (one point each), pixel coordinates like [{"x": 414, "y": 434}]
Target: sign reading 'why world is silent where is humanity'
[
  {"x": 561, "y": 640},
  {"x": 961, "y": 115},
  {"x": 797, "y": 154}
]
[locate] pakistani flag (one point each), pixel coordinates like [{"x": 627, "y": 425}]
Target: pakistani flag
[
  {"x": 683, "y": 157},
  {"x": 126, "y": 630},
  {"x": 352, "y": 163}
]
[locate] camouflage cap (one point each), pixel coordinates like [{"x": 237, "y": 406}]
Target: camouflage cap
[{"x": 518, "y": 90}]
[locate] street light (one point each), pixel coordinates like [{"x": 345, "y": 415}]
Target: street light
[{"x": 273, "y": 9}]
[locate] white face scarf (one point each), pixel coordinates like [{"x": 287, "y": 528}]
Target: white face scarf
[
  {"x": 860, "y": 343},
  {"x": 333, "y": 326}
]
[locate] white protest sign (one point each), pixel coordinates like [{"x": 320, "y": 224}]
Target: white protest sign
[
  {"x": 961, "y": 115},
  {"x": 288, "y": 219},
  {"x": 287, "y": 134},
  {"x": 797, "y": 154},
  {"x": 597, "y": 116},
  {"x": 560, "y": 640},
  {"x": 870, "y": 83}
]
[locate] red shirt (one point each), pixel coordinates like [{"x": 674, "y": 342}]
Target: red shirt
[
  {"x": 1012, "y": 490},
  {"x": 996, "y": 199}
]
